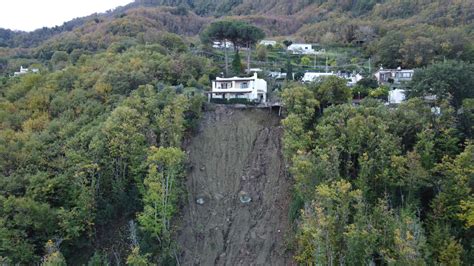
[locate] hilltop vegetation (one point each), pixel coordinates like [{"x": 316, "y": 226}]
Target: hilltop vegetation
[{"x": 394, "y": 33}]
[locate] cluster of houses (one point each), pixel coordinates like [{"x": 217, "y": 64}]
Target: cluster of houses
[
  {"x": 255, "y": 89},
  {"x": 296, "y": 48}
]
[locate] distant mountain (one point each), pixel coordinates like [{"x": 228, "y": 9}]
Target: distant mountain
[{"x": 394, "y": 32}]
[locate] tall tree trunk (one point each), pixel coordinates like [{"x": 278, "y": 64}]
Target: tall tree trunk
[
  {"x": 248, "y": 57},
  {"x": 226, "y": 58}
]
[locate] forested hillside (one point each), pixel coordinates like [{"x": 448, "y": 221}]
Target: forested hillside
[
  {"x": 75, "y": 144},
  {"x": 394, "y": 33},
  {"x": 92, "y": 164},
  {"x": 383, "y": 185}
]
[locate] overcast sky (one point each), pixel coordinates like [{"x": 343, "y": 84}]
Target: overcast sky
[{"x": 29, "y": 15}]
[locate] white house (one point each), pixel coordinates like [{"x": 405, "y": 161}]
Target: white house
[
  {"x": 24, "y": 71},
  {"x": 301, "y": 48},
  {"x": 277, "y": 75},
  {"x": 251, "y": 88},
  {"x": 315, "y": 76},
  {"x": 396, "y": 96},
  {"x": 222, "y": 45},
  {"x": 396, "y": 77},
  {"x": 268, "y": 42},
  {"x": 352, "y": 78}
]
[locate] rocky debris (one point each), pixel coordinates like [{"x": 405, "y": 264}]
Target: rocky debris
[{"x": 244, "y": 197}]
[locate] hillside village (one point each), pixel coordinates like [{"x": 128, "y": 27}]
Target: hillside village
[{"x": 394, "y": 81}]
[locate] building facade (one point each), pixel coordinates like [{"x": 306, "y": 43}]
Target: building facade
[
  {"x": 250, "y": 88},
  {"x": 395, "y": 78},
  {"x": 300, "y": 48}
]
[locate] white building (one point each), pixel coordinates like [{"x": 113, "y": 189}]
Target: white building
[
  {"x": 24, "y": 71},
  {"x": 396, "y": 96},
  {"x": 222, "y": 45},
  {"x": 251, "y": 88},
  {"x": 277, "y": 75},
  {"x": 315, "y": 76},
  {"x": 268, "y": 42},
  {"x": 301, "y": 48}
]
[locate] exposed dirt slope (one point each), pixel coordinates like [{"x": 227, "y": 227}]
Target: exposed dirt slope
[{"x": 235, "y": 151}]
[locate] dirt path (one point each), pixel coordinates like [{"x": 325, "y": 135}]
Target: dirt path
[{"x": 235, "y": 151}]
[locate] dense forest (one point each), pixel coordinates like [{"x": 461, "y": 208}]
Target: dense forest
[
  {"x": 383, "y": 185},
  {"x": 91, "y": 154},
  {"x": 82, "y": 145}
]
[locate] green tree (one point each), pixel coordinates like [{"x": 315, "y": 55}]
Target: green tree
[
  {"x": 59, "y": 59},
  {"x": 333, "y": 90},
  {"x": 451, "y": 80},
  {"x": 236, "y": 64},
  {"x": 262, "y": 53},
  {"x": 136, "y": 259},
  {"x": 165, "y": 167},
  {"x": 223, "y": 32},
  {"x": 248, "y": 36},
  {"x": 53, "y": 256},
  {"x": 305, "y": 61}
]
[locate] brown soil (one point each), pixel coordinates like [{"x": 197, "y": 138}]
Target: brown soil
[{"x": 236, "y": 152}]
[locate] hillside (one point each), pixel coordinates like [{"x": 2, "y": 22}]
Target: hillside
[
  {"x": 393, "y": 33},
  {"x": 109, "y": 153}
]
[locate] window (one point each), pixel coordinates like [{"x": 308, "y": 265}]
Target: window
[
  {"x": 244, "y": 85},
  {"x": 225, "y": 85}
]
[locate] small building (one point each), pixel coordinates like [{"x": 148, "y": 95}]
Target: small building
[
  {"x": 277, "y": 75},
  {"x": 396, "y": 78},
  {"x": 315, "y": 76},
  {"x": 301, "y": 48},
  {"x": 268, "y": 42},
  {"x": 396, "y": 96},
  {"x": 352, "y": 78},
  {"x": 250, "y": 88},
  {"x": 222, "y": 45},
  {"x": 255, "y": 69},
  {"x": 24, "y": 71}
]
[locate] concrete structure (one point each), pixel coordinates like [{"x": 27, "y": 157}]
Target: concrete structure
[
  {"x": 268, "y": 42},
  {"x": 395, "y": 78},
  {"x": 301, "y": 48},
  {"x": 251, "y": 88}
]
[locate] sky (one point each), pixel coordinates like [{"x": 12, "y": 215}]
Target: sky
[{"x": 28, "y": 15}]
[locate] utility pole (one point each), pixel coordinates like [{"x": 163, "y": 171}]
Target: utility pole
[
  {"x": 315, "y": 61},
  {"x": 327, "y": 70},
  {"x": 370, "y": 66}
]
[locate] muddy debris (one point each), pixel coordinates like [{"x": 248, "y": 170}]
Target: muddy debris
[{"x": 243, "y": 220}]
